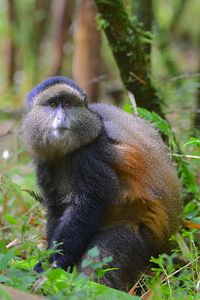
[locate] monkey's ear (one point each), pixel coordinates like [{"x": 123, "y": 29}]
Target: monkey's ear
[{"x": 28, "y": 102}]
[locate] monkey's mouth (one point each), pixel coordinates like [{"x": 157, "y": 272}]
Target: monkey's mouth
[{"x": 61, "y": 132}]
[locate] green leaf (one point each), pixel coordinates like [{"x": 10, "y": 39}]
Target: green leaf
[
  {"x": 3, "y": 248},
  {"x": 107, "y": 259},
  {"x": 193, "y": 141},
  {"x": 34, "y": 195},
  {"x": 55, "y": 274},
  {"x": 160, "y": 123},
  {"x": 196, "y": 220},
  {"x": 12, "y": 220},
  {"x": 86, "y": 262},
  {"x": 20, "y": 278},
  {"x": 94, "y": 252},
  {"x": 5, "y": 259},
  {"x": 4, "y": 279}
]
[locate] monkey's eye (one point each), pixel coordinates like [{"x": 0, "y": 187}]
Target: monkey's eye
[
  {"x": 53, "y": 104},
  {"x": 67, "y": 103}
]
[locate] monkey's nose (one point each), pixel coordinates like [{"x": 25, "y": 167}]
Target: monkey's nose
[
  {"x": 61, "y": 124},
  {"x": 64, "y": 125}
]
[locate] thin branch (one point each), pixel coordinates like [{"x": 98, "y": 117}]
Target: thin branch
[
  {"x": 177, "y": 271},
  {"x": 186, "y": 155}
]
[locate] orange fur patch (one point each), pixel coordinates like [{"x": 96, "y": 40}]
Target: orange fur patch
[
  {"x": 137, "y": 204},
  {"x": 131, "y": 169},
  {"x": 132, "y": 161},
  {"x": 149, "y": 213}
]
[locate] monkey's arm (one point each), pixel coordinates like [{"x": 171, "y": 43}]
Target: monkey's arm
[
  {"x": 94, "y": 185},
  {"x": 77, "y": 226}
]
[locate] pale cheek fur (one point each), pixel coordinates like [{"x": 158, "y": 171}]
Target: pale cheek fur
[
  {"x": 55, "y": 131},
  {"x": 55, "y": 123}
]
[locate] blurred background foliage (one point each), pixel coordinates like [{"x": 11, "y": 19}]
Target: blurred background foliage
[{"x": 42, "y": 38}]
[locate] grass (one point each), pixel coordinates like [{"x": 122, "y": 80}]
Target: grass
[{"x": 22, "y": 243}]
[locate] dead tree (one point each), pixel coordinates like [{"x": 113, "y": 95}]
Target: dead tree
[
  {"x": 62, "y": 11},
  {"x": 87, "y": 61}
]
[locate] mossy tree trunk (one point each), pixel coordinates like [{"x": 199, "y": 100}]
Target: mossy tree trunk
[
  {"x": 144, "y": 13},
  {"x": 129, "y": 42}
]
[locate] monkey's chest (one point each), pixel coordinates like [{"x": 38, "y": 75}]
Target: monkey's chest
[{"x": 56, "y": 187}]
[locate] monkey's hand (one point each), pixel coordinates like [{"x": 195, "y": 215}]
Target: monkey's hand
[
  {"x": 56, "y": 260},
  {"x": 38, "y": 267},
  {"x": 74, "y": 230}
]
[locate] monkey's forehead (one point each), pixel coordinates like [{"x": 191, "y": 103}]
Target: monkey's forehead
[
  {"x": 58, "y": 90},
  {"x": 55, "y": 86}
]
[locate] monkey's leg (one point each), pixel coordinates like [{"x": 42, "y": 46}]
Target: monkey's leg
[{"x": 130, "y": 251}]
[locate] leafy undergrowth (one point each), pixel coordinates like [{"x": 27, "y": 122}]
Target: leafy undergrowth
[
  {"x": 22, "y": 246},
  {"x": 22, "y": 239}
]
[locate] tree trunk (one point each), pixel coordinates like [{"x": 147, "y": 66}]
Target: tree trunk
[
  {"x": 197, "y": 115},
  {"x": 61, "y": 18},
  {"x": 128, "y": 42},
  {"x": 87, "y": 42},
  {"x": 144, "y": 13},
  {"x": 38, "y": 30},
  {"x": 10, "y": 44},
  {"x": 165, "y": 39}
]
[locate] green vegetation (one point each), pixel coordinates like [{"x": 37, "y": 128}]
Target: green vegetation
[
  {"x": 22, "y": 242},
  {"x": 165, "y": 56}
]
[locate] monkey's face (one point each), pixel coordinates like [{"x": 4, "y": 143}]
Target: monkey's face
[{"x": 59, "y": 122}]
